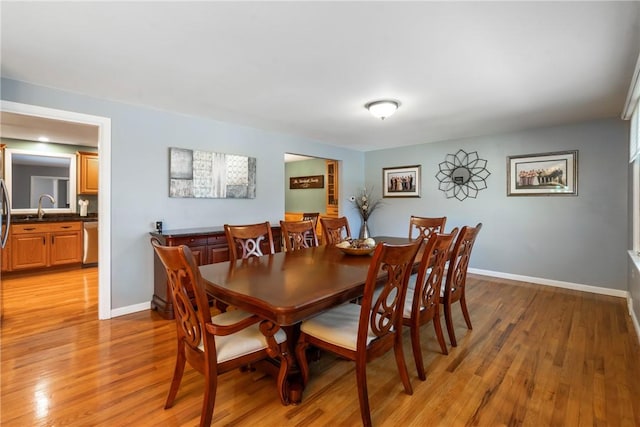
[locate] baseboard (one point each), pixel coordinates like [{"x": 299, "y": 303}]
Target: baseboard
[
  {"x": 537, "y": 280},
  {"x": 130, "y": 309},
  {"x": 555, "y": 283}
]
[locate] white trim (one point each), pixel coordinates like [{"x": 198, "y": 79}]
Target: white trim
[
  {"x": 634, "y": 319},
  {"x": 635, "y": 235},
  {"x": 555, "y": 283},
  {"x": 131, "y": 309},
  {"x": 104, "y": 195},
  {"x": 633, "y": 94},
  {"x": 8, "y": 170}
]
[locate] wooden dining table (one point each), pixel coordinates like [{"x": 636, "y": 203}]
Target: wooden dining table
[{"x": 289, "y": 287}]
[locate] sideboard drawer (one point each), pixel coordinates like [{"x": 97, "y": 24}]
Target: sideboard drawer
[{"x": 190, "y": 241}]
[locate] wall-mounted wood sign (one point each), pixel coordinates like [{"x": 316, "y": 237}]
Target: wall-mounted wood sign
[{"x": 303, "y": 182}]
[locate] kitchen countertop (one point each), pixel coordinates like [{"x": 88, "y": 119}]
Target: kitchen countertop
[{"x": 28, "y": 219}]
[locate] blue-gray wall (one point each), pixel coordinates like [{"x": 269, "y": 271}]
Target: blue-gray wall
[
  {"x": 307, "y": 199},
  {"x": 581, "y": 240},
  {"x": 140, "y": 141}
]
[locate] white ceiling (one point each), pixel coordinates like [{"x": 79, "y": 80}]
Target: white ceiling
[{"x": 459, "y": 69}]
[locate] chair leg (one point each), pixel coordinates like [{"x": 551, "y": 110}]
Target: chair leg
[
  {"x": 363, "y": 394},
  {"x": 210, "y": 386},
  {"x": 402, "y": 365},
  {"x": 417, "y": 351},
  {"x": 449, "y": 320},
  {"x": 465, "y": 312},
  {"x": 178, "y": 371},
  {"x": 437, "y": 325}
]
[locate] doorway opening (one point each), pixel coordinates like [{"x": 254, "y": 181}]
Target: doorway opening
[
  {"x": 311, "y": 186},
  {"x": 30, "y": 117}
]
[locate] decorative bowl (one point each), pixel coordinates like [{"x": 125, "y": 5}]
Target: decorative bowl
[{"x": 357, "y": 251}]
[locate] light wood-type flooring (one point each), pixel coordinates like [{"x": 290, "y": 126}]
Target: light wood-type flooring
[{"x": 537, "y": 356}]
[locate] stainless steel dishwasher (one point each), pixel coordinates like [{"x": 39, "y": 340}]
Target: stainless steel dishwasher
[{"x": 90, "y": 244}]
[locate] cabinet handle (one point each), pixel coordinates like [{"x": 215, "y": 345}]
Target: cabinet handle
[
  {"x": 44, "y": 241},
  {"x": 29, "y": 229},
  {"x": 65, "y": 226}
]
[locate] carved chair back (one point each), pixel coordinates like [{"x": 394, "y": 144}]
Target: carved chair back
[
  {"x": 334, "y": 230},
  {"x": 298, "y": 234},
  {"x": 426, "y": 226},
  {"x": 251, "y": 240}
]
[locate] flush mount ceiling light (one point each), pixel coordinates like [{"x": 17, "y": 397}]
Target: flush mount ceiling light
[{"x": 382, "y": 109}]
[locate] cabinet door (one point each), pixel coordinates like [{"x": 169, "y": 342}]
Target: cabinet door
[
  {"x": 6, "y": 255},
  {"x": 66, "y": 248},
  {"x": 29, "y": 251},
  {"x": 87, "y": 173},
  {"x": 200, "y": 254},
  {"x": 6, "y": 258},
  {"x": 198, "y": 246},
  {"x": 218, "y": 253}
]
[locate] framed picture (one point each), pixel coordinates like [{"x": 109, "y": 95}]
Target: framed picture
[
  {"x": 546, "y": 174},
  {"x": 304, "y": 182},
  {"x": 401, "y": 181},
  {"x": 204, "y": 174}
]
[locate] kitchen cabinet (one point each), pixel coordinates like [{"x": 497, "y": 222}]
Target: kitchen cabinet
[
  {"x": 208, "y": 245},
  {"x": 6, "y": 260},
  {"x": 45, "y": 245},
  {"x": 87, "y": 172}
]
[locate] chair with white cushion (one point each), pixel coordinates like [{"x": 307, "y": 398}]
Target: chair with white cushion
[
  {"x": 456, "y": 282},
  {"x": 213, "y": 345},
  {"x": 422, "y": 303},
  {"x": 363, "y": 332}
]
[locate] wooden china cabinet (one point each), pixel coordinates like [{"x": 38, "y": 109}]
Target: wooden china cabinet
[{"x": 332, "y": 188}]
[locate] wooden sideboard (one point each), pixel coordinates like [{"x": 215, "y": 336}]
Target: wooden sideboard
[{"x": 209, "y": 245}]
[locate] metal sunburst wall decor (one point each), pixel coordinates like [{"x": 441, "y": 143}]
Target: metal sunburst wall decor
[{"x": 462, "y": 175}]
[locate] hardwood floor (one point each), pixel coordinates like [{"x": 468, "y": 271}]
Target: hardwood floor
[{"x": 537, "y": 356}]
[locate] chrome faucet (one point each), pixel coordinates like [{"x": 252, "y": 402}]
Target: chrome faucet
[{"x": 40, "y": 211}]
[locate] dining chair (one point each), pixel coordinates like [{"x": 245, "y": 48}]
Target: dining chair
[
  {"x": 422, "y": 303},
  {"x": 251, "y": 240},
  {"x": 426, "y": 226},
  {"x": 214, "y": 344},
  {"x": 335, "y": 230},
  {"x": 313, "y": 216},
  {"x": 363, "y": 332},
  {"x": 298, "y": 234},
  {"x": 456, "y": 277}
]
